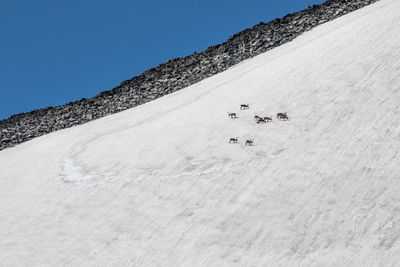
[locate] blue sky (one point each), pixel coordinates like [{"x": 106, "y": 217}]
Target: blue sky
[{"x": 56, "y": 51}]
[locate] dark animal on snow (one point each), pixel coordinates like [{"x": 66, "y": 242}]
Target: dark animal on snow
[
  {"x": 233, "y": 140},
  {"x": 249, "y": 142},
  {"x": 282, "y": 116},
  {"x": 261, "y": 120},
  {"x": 232, "y": 115},
  {"x": 267, "y": 119},
  {"x": 244, "y": 106}
]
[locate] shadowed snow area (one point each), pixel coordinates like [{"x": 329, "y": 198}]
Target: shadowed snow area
[{"x": 160, "y": 185}]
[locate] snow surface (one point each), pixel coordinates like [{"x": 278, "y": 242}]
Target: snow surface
[{"x": 159, "y": 184}]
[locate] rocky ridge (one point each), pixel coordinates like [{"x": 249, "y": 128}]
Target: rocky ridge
[{"x": 174, "y": 74}]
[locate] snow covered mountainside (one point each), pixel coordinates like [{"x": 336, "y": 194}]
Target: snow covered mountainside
[{"x": 160, "y": 185}]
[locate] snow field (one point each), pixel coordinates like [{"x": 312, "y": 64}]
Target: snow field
[{"x": 159, "y": 184}]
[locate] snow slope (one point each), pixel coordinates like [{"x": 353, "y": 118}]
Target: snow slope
[{"x": 160, "y": 185}]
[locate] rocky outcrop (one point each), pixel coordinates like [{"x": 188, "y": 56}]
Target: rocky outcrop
[{"x": 174, "y": 74}]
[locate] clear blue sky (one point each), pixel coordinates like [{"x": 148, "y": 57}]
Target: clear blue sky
[{"x": 56, "y": 51}]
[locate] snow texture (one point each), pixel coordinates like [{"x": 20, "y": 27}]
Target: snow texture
[{"x": 160, "y": 185}]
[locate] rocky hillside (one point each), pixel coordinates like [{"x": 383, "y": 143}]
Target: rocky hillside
[{"x": 174, "y": 74}]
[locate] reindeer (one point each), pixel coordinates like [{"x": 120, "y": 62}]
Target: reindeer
[
  {"x": 249, "y": 142},
  {"x": 261, "y": 120},
  {"x": 244, "y": 106},
  {"x": 282, "y": 116},
  {"x": 234, "y": 140},
  {"x": 268, "y": 119},
  {"x": 232, "y": 115}
]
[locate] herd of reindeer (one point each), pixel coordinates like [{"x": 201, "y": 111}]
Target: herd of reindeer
[{"x": 250, "y": 142}]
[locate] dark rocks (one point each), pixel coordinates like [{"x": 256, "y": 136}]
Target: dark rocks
[{"x": 173, "y": 74}]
